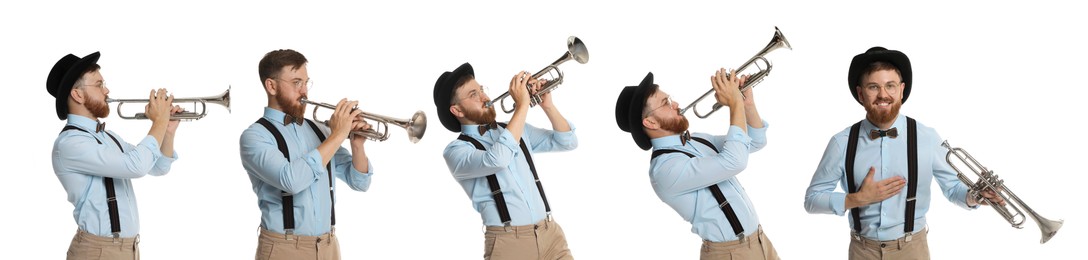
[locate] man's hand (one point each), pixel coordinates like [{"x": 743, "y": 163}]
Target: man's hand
[
  {"x": 342, "y": 118},
  {"x": 518, "y": 91},
  {"x": 874, "y": 191},
  {"x": 159, "y": 106},
  {"x": 726, "y": 88}
]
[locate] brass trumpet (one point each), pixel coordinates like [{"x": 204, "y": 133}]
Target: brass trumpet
[
  {"x": 777, "y": 41},
  {"x": 221, "y": 99},
  {"x": 576, "y": 50},
  {"x": 987, "y": 180},
  {"x": 415, "y": 126}
]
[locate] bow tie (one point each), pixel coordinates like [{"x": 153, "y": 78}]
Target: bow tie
[
  {"x": 881, "y": 133},
  {"x": 685, "y": 137},
  {"x": 484, "y": 127},
  {"x": 101, "y": 127},
  {"x": 288, "y": 119}
]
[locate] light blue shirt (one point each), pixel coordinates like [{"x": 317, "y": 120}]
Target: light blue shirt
[
  {"x": 883, "y": 220},
  {"x": 81, "y": 164},
  {"x": 503, "y": 157},
  {"x": 303, "y": 176},
  {"x": 681, "y": 181}
]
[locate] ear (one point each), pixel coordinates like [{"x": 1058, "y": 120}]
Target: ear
[
  {"x": 456, "y": 111},
  {"x": 77, "y": 95},
  {"x": 270, "y": 86},
  {"x": 650, "y": 123}
]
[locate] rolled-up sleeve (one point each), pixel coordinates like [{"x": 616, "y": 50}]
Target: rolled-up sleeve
[
  {"x": 262, "y": 159},
  {"x": 545, "y": 140},
  {"x": 467, "y": 162}
]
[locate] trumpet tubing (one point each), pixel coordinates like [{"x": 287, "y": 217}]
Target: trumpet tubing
[
  {"x": 1014, "y": 210},
  {"x": 576, "y": 50},
  {"x": 777, "y": 41},
  {"x": 222, "y": 99},
  {"x": 416, "y": 126}
]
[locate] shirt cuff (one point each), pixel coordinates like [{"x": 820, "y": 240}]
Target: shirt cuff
[
  {"x": 313, "y": 159},
  {"x": 838, "y": 203},
  {"x": 507, "y": 140},
  {"x": 758, "y": 133},
  {"x": 152, "y": 144},
  {"x": 565, "y": 137},
  {"x": 738, "y": 135}
]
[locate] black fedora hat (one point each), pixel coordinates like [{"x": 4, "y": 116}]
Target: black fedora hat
[
  {"x": 63, "y": 75},
  {"x": 629, "y": 107},
  {"x": 874, "y": 54},
  {"x": 443, "y": 91}
]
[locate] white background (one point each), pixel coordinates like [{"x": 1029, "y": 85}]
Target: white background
[{"x": 1000, "y": 80}]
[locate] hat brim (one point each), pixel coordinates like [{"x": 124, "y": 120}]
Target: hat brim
[
  {"x": 629, "y": 106},
  {"x": 896, "y": 58},
  {"x": 62, "y": 88},
  {"x": 443, "y": 92}
]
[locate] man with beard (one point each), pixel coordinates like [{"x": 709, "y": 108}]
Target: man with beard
[
  {"x": 95, "y": 166},
  {"x": 291, "y": 162},
  {"x": 696, "y": 173},
  {"x": 493, "y": 163},
  {"x": 875, "y": 158}
]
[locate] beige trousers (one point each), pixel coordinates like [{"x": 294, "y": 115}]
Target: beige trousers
[
  {"x": 276, "y": 246},
  {"x": 544, "y": 241},
  {"x": 756, "y": 246},
  {"x": 87, "y": 246},
  {"x": 899, "y": 249}
]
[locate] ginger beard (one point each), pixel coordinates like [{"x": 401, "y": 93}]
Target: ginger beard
[
  {"x": 98, "y": 108},
  {"x": 294, "y": 108},
  {"x": 483, "y": 116},
  {"x": 677, "y": 124},
  {"x": 879, "y": 115}
]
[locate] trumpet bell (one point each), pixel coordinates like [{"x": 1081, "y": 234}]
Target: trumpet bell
[
  {"x": 417, "y": 126},
  {"x": 577, "y": 50}
]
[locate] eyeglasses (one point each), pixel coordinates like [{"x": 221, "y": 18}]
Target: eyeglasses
[
  {"x": 891, "y": 87},
  {"x": 298, "y": 83},
  {"x": 474, "y": 94},
  {"x": 101, "y": 84},
  {"x": 668, "y": 103}
]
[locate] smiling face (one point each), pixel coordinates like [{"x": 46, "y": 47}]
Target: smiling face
[{"x": 881, "y": 93}]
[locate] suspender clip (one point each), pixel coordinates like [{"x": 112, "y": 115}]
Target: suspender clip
[
  {"x": 908, "y": 236},
  {"x": 289, "y": 233},
  {"x": 506, "y": 226},
  {"x": 116, "y": 237},
  {"x": 549, "y": 217}
]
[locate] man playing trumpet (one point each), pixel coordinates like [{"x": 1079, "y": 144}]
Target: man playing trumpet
[
  {"x": 696, "y": 174},
  {"x": 877, "y": 157},
  {"x": 291, "y": 162},
  {"x": 95, "y": 166},
  {"x": 493, "y": 163}
]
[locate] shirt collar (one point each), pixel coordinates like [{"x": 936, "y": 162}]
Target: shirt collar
[
  {"x": 273, "y": 115},
  {"x": 900, "y": 124},
  {"x": 666, "y": 141},
  {"x": 83, "y": 122}
]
